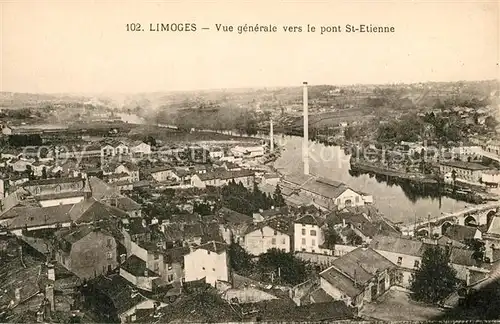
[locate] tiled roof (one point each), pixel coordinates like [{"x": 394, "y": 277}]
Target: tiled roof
[
  {"x": 19, "y": 217},
  {"x": 465, "y": 165},
  {"x": 460, "y": 232},
  {"x": 397, "y": 245},
  {"x": 234, "y": 217},
  {"x": 357, "y": 266},
  {"x": 310, "y": 220},
  {"x": 213, "y": 246},
  {"x": 119, "y": 291}
]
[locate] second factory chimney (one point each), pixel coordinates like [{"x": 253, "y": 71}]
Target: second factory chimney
[{"x": 305, "y": 141}]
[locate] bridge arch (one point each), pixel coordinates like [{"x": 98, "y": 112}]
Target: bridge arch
[
  {"x": 445, "y": 226},
  {"x": 489, "y": 217},
  {"x": 422, "y": 232},
  {"x": 470, "y": 221}
]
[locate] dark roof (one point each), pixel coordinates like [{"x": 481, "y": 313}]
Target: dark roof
[
  {"x": 278, "y": 310},
  {"x": 52, "y": 181},
  {"x": 118, "y": 290},
  {"x": 462, "y": 257},
  {"x": 320, "y": 296},
  {"x": 460, "y": 232},
  {"x": 465, "y": 165},
  {"x": 176, "y": 254},
  {"x": 74, "y": 235},
  {"x": 310, "y": 220},
  {"x": 60, "y": 195},
  {"x": 213, "y": 246},
  {"x": 233, "y": 217},
  {"x": 137, "y": 267},
  {"x": 225, "y": 174}
]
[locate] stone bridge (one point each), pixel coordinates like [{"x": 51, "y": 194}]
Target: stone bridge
[{"x": 474, "y": 216}]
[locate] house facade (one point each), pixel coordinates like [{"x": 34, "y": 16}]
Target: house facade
[
  {"x": 209, "y": 261},
  {"x": 308, "y": 234},
  {"x": 471, "y": 172},
  {"x": 260, "y": 239},
  {"x": 86, "y": 251}
]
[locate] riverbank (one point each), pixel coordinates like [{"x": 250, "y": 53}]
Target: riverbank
[{"x": 368, "y": 167}]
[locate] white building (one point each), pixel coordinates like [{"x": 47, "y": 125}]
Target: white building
[
  {"x": 248, "y": 151},
  {"x": 308, "y": 234},
  {"x": 264, "y": 237},
  {"x": 209, "y": 261},
  {"x": 491, "y": 177},
  {"x": 140, "y": 148}
]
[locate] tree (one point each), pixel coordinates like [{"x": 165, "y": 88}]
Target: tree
[
  {"x": 284, "y": 266},
  {"x": 278, "y": 197},
  {"x": 490, "y": 122},
  {"x": 239, "y": 259},
  {"x": 478, "y": 247},
  {"x": 435, "y": 279},
  {"x": 353, "y": 238},
  {"x": 331, "y": 238},
  {"x": 454, "y": 178}
]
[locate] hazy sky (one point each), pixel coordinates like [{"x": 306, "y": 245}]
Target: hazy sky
[{"x": 83, "y": 46}]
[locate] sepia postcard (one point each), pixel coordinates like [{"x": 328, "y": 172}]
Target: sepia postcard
[{"x": 249, "y": 161}]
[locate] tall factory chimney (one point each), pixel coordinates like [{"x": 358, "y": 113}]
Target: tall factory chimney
[
  {"x": 305, "y": 142},
  {"x": 271, "y": 136}
]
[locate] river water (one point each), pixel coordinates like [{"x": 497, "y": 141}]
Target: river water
[{"x": 396, "y": 203}]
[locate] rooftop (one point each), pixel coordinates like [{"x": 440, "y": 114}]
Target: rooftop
[
  {"x": 397, "y": 245},
  {"x": 465, "y": 165},
  {"x": 213, "y": 246},
  {"x": 137, "y": 267}
]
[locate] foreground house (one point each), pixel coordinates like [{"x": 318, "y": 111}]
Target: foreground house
[
  {"x": 86, "y": 251},
  {"x": 359, "y": 276}
]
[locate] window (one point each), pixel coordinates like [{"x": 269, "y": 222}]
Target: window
[
  {"x": 417, "y": 264},
  {"x": 357, "y": 199},
  {"x": 109, "y": 255},
  {"x": 312, "y": 232},
  {"x": 313, "y": 242},
  {"x": 213, "y": 269},
  {"x": 303, "y": 241},
  {"x": 156, "y": 267},
  {"x": 58, "y": 188},
  {"x": 283, "y": 241},
  {"x": 156, "y": 256},
  {"x": 273, "y": 241},
  {"x": 203, "y": 268},
  {"x": 400, "y": 260},
  {"x": 170, "y": 278},
  {"x": 275, "y": 233},
  {"x": 303, "y": 231}
]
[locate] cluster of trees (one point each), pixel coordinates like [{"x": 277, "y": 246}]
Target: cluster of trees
[
  {"x": 274, "y": 266},
  {"x": 237, "y": 197},
  {"x": 20, "y": 140},
  {"x": 435, "y": 279}
]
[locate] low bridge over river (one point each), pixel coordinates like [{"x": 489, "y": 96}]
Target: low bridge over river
[{"x": 474, "y": 216}]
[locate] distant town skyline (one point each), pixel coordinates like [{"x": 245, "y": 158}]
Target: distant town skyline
[{"x": 84, "y": 48}]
